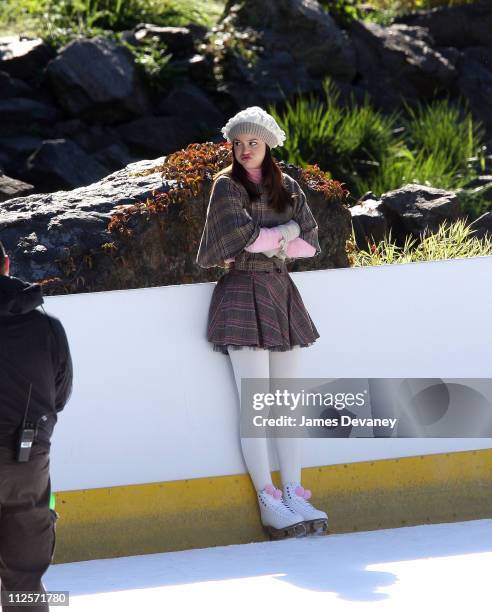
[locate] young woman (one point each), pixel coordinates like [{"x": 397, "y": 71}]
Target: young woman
[{"x": 257, "y": 218}]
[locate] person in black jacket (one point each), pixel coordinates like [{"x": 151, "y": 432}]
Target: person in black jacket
[{"x": 35, "y": 384}]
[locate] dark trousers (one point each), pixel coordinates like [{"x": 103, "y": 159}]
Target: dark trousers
[{"x": 27, "y": 525}]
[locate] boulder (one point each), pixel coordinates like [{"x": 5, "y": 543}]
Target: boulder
[
  {"x": 11, "y": 87},
  {"x": 399, "y": 60},
  {"x": 413, "y": 208},
  {"x": 43, "y": 228},
  {"x": 199, "y": 68},
  {"x": 138, "y": 227},
  {"x": 193, "y": 105},
  {"x": 475, "y": 82},
  {"x": 98, "y": 78},
  {"x": 368, "y": 221},
  {"x": 483, "y": 226},
  {"x": 258, "y": 57},
  {"x": 288, "y": 24},
  {"x": 26, "y": 111},
  {"x": 64, "y": 164},
  {"x": 159, "y": 135},
  {"x": 12, "y": 188},
  {"x": 178, "y": 41},
  {"x": 16, "y": 150},
  {"x": 22, "y": 57},
  {"x": 114, "y": 156},
  {"x": 458, "y": 26}
]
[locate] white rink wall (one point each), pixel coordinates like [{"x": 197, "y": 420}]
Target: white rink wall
[{"x": 152, "y": 402}]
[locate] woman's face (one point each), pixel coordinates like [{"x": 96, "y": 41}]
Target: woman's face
[{"x": 249, "y": 150}]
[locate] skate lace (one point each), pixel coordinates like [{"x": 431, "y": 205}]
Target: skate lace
[
  {"x": 299, "y": 499},
  {"x": 283, "y": 509},
  {"x": 277, "y": 504}
]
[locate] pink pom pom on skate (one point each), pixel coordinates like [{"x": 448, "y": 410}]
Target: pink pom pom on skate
[
  {"x": 307, "y": 494},
  {"x": 277, "y": 494},
  {"x": 270, "y": 489},
  {"x": 300, "y": 491}
]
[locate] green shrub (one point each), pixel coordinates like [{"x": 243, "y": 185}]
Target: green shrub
[
  {"x": 451, "y": 241},
  {"x": 370, "y": 151},
  {"x": 66, "y": 19},
  {"x": 343, "y": 140},
  {"x": 153, "y": 61},
  {"x": 380, "y": 11}
]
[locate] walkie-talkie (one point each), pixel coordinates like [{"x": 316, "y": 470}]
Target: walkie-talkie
[{"x": 27, "y": 432}]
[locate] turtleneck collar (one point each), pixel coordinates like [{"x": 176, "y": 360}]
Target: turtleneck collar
[{"x": 255, "y": 174}]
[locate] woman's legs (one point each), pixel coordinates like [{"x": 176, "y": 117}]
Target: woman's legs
[
  {"x": 253, "y": 363},
  {"x": 285, "y": 364},
  {"x": 280, "y": 520}
]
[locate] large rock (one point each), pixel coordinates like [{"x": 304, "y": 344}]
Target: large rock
[
  {"x": 12, "y": 188},
  {"x": 399, "y": 60},
  {"x": 42, "y": 228},
  {"x": 25, "y": 110},
  {"x": 475, "y": 82},
  {"x": 125, "y": 232},
  {"x": 406, "y": 211},
  {"x": 62, "y": 163},
  {"x": 98, "y": 78},
  {"x": 157, "y": 135},
  {"x": 23, "y": 57},
  {"x": 413, "y": 208},
  {"x": 304, "y": 29},
  {"x": 14, "y": 151},
  {"x": 178, "y": 40},
  {"x": 483, "y": 226},
  {"x": 114, "y": 156},
  {"x": 260, "y": 53},
  {"x": 368, "y": 220},
  {"x": 11, "y": 87},
  {"x": 192, "y": 105},
  {"x": 459, "y": 26},
  {"x": 481, "y": 185}
]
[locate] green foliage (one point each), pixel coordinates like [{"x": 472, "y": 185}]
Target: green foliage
[
  {"x": 451, "y": 241},
  {"x": 335, "y": 137},
  {"x": 380, "y": 11},
  {"x": 343, "y": 11},
  {"x": 226, "y": 46},
  {"x": 439, "y": 139},
  {"x": 439, "y": 126},
  {"x": 474, "y": 202},
  {"x": 62, "y": 20},
  {"x": 153, "y": 61},
  {"x": 370, "y": 151}
]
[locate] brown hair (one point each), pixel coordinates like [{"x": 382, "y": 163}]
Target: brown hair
[{"x": 278, "y": 196}]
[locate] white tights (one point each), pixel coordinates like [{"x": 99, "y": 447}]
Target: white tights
[{"x": 262, "y": 363}]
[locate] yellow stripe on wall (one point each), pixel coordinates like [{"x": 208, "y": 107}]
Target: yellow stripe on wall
[{"x": 222, "y": 510}]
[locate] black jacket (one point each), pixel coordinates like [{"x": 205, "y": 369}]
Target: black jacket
[{"x": 33, "y": 349}]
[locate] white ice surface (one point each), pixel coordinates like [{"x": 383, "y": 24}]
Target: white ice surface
[{"x": 441, "y": 567}]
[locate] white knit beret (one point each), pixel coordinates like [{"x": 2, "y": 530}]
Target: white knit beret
[{"x": 254, "y": 120}]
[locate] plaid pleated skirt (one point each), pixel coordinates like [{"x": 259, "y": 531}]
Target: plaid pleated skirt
[{"x": 260, "y": 308}]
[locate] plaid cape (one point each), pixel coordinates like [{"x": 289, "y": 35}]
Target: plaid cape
[{"x": 233, "y": 221}]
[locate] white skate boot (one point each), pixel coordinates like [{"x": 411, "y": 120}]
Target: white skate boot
[
  {"x": 279, "y": 520},
  {"x": 296, "y": 496}
]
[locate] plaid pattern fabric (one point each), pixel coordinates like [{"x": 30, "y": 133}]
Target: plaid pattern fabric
[
  {"x": 256, "y": 303},
  {"x": 233, "y": 222},
  {"x": 259, "y": 309}
]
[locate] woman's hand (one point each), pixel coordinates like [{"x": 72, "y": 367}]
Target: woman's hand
[{"x": 290, "y": 230}]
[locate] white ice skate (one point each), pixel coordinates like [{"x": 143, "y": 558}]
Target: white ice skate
[
  {"x": 279, "y": 520},
  {"x": 295, "y": 497}
]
